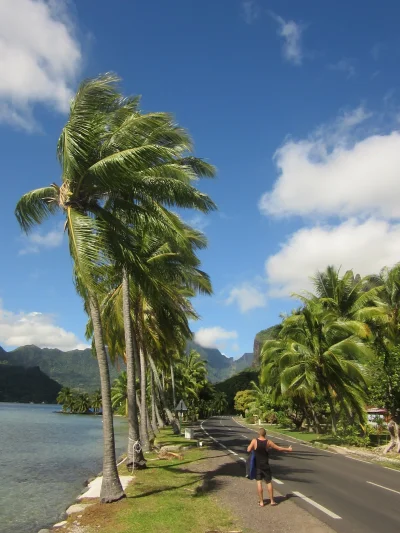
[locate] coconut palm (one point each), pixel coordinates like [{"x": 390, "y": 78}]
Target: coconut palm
[
  {"x": 81, "y": 403},
  {"x": 107, "y": 170},
  {"x": 319, "y": 354},
  {"x": 219, "y": 403},
  {"x": 119, "y": 392},
  {"x": 65, "y": 398},
  {"x": 96, "y": 401}
]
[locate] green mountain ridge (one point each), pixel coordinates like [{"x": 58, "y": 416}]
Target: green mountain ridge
[
  {"x": 19, "y": 384},
  {"x": 78, "y": 369}
]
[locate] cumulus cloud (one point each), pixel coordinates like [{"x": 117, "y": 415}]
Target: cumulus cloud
[
  {"x": 334, "y": 172},
  {"x": 39, "y": 58},
  {"x": 346, "y": 66},
  {"x": 365, "y": 247},
  {"x": 36, "y": 241},
  {"x": 247, "y": 297},
  {"x": 214, "y": 337},
  {"x": 250, "y": 10},
  {"x": 291, "y": 33},
  {"x": 199, "y": 221},
  {"x": 20, "y": 329}
]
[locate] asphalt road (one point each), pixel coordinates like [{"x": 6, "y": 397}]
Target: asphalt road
[{"x": 349, "y": 495}]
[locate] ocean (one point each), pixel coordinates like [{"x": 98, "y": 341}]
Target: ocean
[{"x": 45, "y": 459}]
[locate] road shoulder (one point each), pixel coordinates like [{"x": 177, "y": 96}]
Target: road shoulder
[{"x": 225, "y": 477}]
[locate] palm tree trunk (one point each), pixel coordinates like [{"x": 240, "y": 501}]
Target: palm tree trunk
[
  {"x": 133, "y": 423},
  {"x": 332, "y": 408},
  {"x": 111, "y": 488},
  {"x": 143, "y": 401},
  {"x": 173, "y": 385},
  {"x": 153, "y": 405},
  {"x": 172, "y": 420},
  {"x": 160, "y": 421}
]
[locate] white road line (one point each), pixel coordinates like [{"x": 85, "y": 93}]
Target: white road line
[
  {"x": 392, "y": 469},
  {"x": 245, "y": 436},
  {"x": 242, "y": 459},
  {"x": 317, "y": 505},
  {"x": 278, "y": 481},
  {"x": 356, "y": 459},
  {"x": 382, "y": 487}
]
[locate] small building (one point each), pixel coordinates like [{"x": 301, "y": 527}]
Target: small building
[{"x": 375, "y": 413}]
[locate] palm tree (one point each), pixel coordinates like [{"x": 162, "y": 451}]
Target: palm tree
[
  {"x": 81, "y": 403},
  {"x": 383, "y": 316},
  {"x": 96, "y": 401},
  {"x": 114, "y": 161},
  {"x": 219, "y": 403},
  {"x": 64, "y": 398},
  {"x": 119, "y": 392},
  {"x": 317, "y": 353}
]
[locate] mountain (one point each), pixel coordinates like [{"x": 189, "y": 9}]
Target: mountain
[
  {"x": 260, "y": 338},
  {"x": 19, "y": 384},
  {"x": 77, "y": 369},
  {"x": 219, "y": 366}
]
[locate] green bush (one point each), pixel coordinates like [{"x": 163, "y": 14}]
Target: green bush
[{"x": 282, "y": 419}]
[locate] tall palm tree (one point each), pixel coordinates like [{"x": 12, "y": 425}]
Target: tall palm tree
[
  {"x": 107, "y": 170},
  {"x": 81, "y": 403}
]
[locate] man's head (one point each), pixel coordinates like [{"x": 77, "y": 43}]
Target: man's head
[{"x": 262, "y": 432}]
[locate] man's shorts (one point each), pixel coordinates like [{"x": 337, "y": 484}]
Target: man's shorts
[{"x": 264, "y": 473}]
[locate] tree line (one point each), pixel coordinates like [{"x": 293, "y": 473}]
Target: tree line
[{"x": 336, "y": 354}]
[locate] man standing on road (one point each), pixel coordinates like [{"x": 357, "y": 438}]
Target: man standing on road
[{"x": 260, "y": 446}]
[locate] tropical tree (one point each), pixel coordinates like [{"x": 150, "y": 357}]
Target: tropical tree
[
  {"x": 243, "y": 399},
  {"x": 65, "y": 398},
  {"x": 119, "y": 393},
  {"x": 219, "y": 403},
  {"x": 96, "y": 401},
  {"x": 81, "y": 403},
  {"x": 317, "y": 353},
  {"x": 112, "y": 165}
]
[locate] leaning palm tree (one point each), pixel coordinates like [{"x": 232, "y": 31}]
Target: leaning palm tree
[
  {"x": 64, "y": 398},
  {"x": 107, "y": 170}
]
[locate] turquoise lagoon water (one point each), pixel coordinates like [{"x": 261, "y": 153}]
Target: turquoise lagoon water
[{"x": 45, "y": 459}]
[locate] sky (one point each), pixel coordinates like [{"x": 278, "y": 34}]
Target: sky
[{"x": 297, "y": 104}]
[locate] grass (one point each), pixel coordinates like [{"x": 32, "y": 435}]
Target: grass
[
  {"x": 167, "y": 497},
  {"x": 167, "y": 438}
]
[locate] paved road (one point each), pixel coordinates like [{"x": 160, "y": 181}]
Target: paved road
[{"x": 349, "y": 495}]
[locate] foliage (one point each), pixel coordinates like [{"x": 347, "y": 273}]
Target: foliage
[
  {"x": 75, "y": 402},
  {"x": 234, "y": 384},
  {"x": 243, "y": 399}
]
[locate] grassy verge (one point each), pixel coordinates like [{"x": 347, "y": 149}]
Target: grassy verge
[{"x": 167, "y": 497}]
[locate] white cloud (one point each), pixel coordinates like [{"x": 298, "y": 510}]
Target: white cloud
[
  {"x": 20, "y": 329},
  {"x": 247, "y": 297},
  {"x": 291, "y": 33},
  {"x": 251, "y": 11},
  {"x": 36, "y": 241},
  {"x": 338, "y": 171},
  {"x": 199, "y": 221},
  {"x": 212, "y": 337},
  {"x": 365, "y": 247},
  {"x": 39, "y": 58},
  {"x": 344, "y": 65}
]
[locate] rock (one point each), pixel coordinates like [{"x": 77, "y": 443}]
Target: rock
[
  {"x": 77, "y": 508},
  {"x": 61, "y": 524},
  {"x": 44, "y": 531}
]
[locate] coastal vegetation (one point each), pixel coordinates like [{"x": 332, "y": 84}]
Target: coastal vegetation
[
  {"x": 74, "y": 402},
  {"x": 332, "y": 358}
]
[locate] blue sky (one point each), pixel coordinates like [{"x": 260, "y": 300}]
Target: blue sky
[{"x": 296, "y": 103}]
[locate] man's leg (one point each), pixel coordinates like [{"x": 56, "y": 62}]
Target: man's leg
[
  {"x": 260, "y": 493},
  {"x": 271, "y": 492}
]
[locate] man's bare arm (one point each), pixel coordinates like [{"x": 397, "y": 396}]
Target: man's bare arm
[{"x": 279, "y": 448}]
